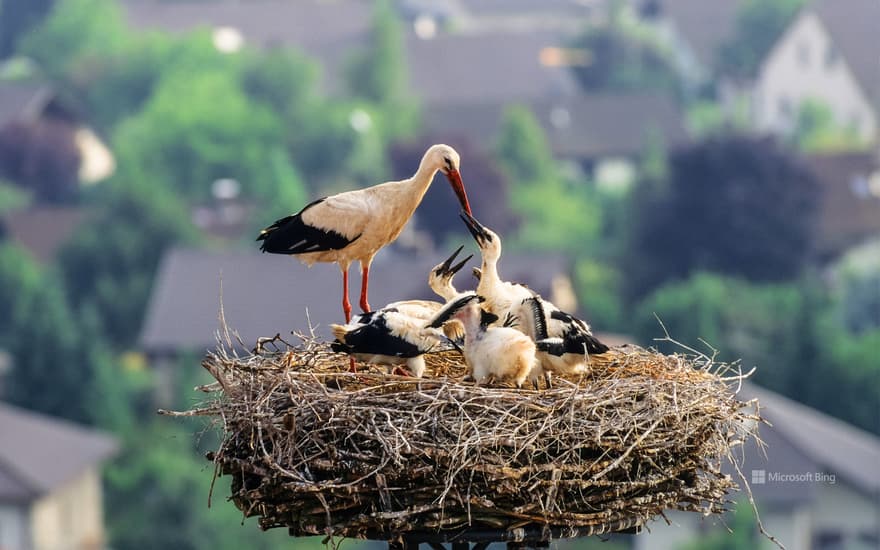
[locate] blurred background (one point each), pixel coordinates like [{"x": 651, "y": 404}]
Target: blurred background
[{"x": 715, "y": 164}]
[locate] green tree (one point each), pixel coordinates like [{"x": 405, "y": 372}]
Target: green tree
[
  {"x": 758, "y": 25},
  {"x": 557, "y": 214},
  {"x": 200, "y": 126},
  {"x": 16, "y": 18},
  {"x": 621, "y": 60},
  {"x": 816, "y": 130},
  {"x": 743, "y": 534},
  {"x": 109, "y": 264},
  {"x": 378, "y": 73},
  {"x": 730, "y": 204},
  {"x": 50, "y": 371}
]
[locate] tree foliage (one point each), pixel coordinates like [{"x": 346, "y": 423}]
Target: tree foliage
[
  {"x": 378, "y": 72},
  {"x": 758, "y": 25},
  {"x": 816, "y": 130},
  {"x": 734, "y": 205},
  {"x": 109, "y": 264},
  {"x": 557, "y": 214},
  {"x": 621, "y": 61},
  {"x": 16, "y": 18}
]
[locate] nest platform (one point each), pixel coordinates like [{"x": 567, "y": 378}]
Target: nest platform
[{"x": 321, "y": 451}]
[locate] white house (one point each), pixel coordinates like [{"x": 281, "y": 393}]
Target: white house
[
  {"x": 817, "y": 488},
  {"x": 50, "y": 483},
  {"x": 829, "y": 54}
]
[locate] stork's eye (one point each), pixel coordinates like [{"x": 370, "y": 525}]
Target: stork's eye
[{"x": 448, "y": 162}]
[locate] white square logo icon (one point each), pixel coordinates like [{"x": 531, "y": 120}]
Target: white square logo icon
[{"x": 759, "y": 477}]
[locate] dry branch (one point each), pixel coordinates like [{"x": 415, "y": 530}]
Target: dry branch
[{"x": 321, "y": 451}]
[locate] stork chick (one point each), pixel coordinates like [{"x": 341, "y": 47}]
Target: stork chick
[
  {"x": 564, "y": 341},
  {"x": 386, "y": 337},
  {"x": 500, "y": 353},
  {"x": 440, "y": 278}
]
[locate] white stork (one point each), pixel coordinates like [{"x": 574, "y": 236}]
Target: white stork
[
  {"x": 354, "y": 225},
  {"x": 564, "y": 341},
  {"x": 489, "y": 351}
]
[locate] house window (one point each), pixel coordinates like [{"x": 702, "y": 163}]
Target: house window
[
  {"x": 828, "y": 540},
  {"x": 803, "y": 54},
  {"x": 831, "y": 56}
]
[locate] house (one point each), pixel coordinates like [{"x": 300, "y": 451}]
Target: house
[
  {"x": 44, "y": 145},
  {"x": 849, "y": 211},
  {"x": 593, "y": 131},
  {"x": 492, "y": 66},
  {"x": 50, "y": 482},
  {"x": 817, "y": 487},
  {"x": 825, "y": 55}
]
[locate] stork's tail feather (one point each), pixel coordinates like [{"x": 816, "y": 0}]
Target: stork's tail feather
[
  {"x": 553, "y": 346},
  {"x": 339, "y": 332}
]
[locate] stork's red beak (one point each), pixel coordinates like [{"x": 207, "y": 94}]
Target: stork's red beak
[{"x": 455, "y": 181}]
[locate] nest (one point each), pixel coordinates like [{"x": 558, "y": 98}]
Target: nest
[{"x": 321, "y": 451}]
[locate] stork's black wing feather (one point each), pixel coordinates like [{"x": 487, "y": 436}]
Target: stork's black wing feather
[
  {"x": 452, "y": 307},
  {"x": 376, "y": 338},
  {"x": 291, "y": 235},
  {"x": 538, "y": 316}
]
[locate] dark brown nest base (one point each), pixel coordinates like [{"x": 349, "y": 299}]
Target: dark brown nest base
[{"x": 321, "y": 451}]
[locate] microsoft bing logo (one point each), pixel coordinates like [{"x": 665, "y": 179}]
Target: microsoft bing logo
[{"x": 759, "y": 477}]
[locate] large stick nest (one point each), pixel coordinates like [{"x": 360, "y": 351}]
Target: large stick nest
[{"x": 322, "y": 451}]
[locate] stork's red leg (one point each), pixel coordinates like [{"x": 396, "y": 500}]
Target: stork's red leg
[
  {"x": 346, "y": 305},
  {"x": 365, "y": 283}
]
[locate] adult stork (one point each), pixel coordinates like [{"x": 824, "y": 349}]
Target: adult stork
[
  {"x": 565, "y": 342},
  {"x": 354, "y": 225}
]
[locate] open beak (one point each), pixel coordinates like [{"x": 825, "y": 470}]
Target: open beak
[
  {"x": 476, "y": 228},
  {"x": 455, "y": 181},
  {"x": 447, "y": 269}
]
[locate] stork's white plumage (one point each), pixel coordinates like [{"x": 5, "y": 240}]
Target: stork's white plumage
[
  {"x": 353, "y": 226},
  {"x": 501, "y": 353},
  {"x": 565, "y": 342}
]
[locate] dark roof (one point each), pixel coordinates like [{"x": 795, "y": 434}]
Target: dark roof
[
  {"x": 491, "y": 66},
  {"x": 264, "y": 294},
  {"x": 41, "y": 230},
  {"x": 32, "y": 447},
  {"x": 561, "y": 8},
  {"x": 582, "y": 126},
  {"x": 21, "y": 100},
  {"x": 326, "y": 30},
  {"x": 850, "y": 206},
  {"x": 804, "y": 440},
  {"x": 853, "y": 27}
]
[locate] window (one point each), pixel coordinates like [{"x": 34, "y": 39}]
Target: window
[
  {"x": 803, "y": 53},
  {"x": 831, "y": 56}
]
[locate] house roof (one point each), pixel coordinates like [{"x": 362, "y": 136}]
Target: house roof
[
  {"x": 328, "y": 30},
  {"x": 850, "y": 206},
  {"x": 42, "y": 230},
  {"x": 810, "y": 441},
  {"x": 704, "y": 25},
  {"x": 853, "y": 25},
  {"x": 489, "y": 66},
  {"x": 265, "y": 294},
  {"x": 31, "y": 447},
  {"x": 583, "y": 126}
]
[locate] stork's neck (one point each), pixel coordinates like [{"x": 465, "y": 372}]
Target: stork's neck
[
  {"x": 489, "y": 278},
  {"x": 420, "y": 182}
]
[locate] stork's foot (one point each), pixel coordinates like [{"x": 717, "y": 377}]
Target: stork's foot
[
  {"x": 400, "y": 370},
  {"x": 352, "y": 366}
]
